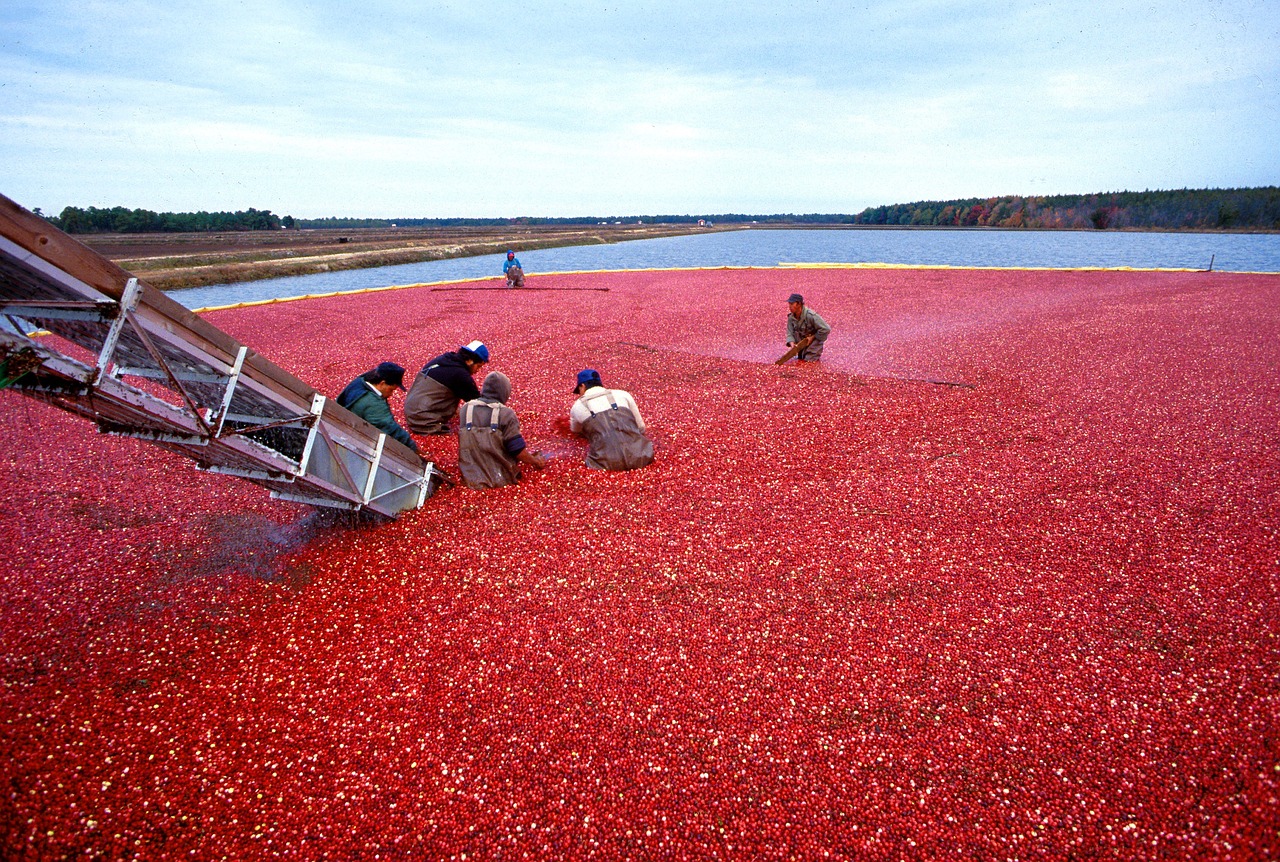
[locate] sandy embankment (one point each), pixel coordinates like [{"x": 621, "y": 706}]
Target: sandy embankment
[{"x": 170, "y": 261}]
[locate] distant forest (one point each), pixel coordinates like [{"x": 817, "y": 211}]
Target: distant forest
[
  {"x": 1181, "y": 209},
  {"x": 122, "y": 220}
]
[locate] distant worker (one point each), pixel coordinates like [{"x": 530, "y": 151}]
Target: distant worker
[
  {"x": 490, "y": 446},
  {"x": 610, "y": 419},
  {"x": 513, "y": 270},
  {"x": 368, "y": 397},
  {"x": 440, "y": 386},
  {"x": 804, "y": 323}
]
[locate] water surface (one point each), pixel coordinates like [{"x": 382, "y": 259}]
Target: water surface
[{"x": 981, "y": 248}]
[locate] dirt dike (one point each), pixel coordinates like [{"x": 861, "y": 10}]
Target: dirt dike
[{"x": 173, "y": 261}]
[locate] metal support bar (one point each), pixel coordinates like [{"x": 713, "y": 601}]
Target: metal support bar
[
  {"x": 328, "y": 502},
  {"x": 373, "y": 468},
  {"x": 269, "y": 475},
  {"x": 424, "y": 486},
  {"x": 304, "y": 420},
  {"x": 152, "y": 434},
  {"x": 109, "y": 310},
  {"x": 128, "y": 301},
  {"x": 342, "y": 467},
  {"x": 152, "y": 374},
  {"x": 317, "y": 407},
  {"x": 17, "y": 325},
  {"x": 420, "y": 484},
  {"x": 92, "y": 311},
  {"x": 297, "y": 421},
  {"x": 236, "y": 368},
  {"x": 173, "y": 379}
]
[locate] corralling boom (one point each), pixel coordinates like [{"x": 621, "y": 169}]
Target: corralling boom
[{"x": 138, "y": 364}]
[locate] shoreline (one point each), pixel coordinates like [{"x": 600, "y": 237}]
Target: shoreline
[
  {"x": 179, "y": 261},
  {"x": 192, "y": 260}
]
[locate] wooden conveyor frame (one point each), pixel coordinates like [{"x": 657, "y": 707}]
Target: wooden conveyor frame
[{"x": 135, "y": 362}]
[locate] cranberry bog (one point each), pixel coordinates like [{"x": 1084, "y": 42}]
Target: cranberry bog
[{"x": 998, "y": 579}]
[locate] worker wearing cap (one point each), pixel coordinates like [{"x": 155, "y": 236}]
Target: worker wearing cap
[
  {"x": 490, "y": 445},
  {"x": 441, "y": 385},
  {"x": 369, "y": 395},
  {"x": 514, "y": 271},
  {"x": 805, "y": 323},
  {"x": 610, "y": 419}
]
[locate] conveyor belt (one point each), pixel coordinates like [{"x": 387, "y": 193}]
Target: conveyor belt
[{"x": 123, "y": 355}]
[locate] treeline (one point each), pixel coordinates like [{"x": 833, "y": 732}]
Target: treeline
[
  {"x": 1180, "y": 209},
  {"x": 122, "y": 220},
  {"x": 1195, "y": 209},
  {"x": 727, "y": 218}
]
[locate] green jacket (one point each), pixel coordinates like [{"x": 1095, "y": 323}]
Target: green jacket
[{"x": 374, "y": 409}]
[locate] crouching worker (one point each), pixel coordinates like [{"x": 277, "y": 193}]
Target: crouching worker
[
  {"x": 805, "y": 323},
  {"x": 610, "y": 419},
  {"x": 515, "y": 272},
  {"x": 368, "y": 397},
  {"x": 490, "y": 446},
  {"x": 441, "y": 385}
]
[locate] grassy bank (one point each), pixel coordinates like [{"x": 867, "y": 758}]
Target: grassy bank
[{"x": 173, "y": 261}]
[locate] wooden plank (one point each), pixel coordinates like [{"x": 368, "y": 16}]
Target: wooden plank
[
  {"x": 795, "y": 349},
  {"x": 42, "y": 239}
]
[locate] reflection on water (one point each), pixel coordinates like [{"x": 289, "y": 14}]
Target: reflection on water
[{"x": 1228, "y": 252}]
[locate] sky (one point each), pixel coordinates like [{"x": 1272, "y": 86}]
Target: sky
[{"x": 420, "y": 108}]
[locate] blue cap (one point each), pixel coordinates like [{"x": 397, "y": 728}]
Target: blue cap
[
  {"x": 476, "y": 349},
  {"x": 588, "y": 376},
  {"x": 389, "y": 372},
  {"x": 795, "y": 297}
]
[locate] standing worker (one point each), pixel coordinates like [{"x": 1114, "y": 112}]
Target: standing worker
[
  {"x": 441, "y": 385},
  {"x": 805, "y": 323},
  {"x": 610, "y": 419},
  {"x": 490, "y": 445},
  {"x": 514, "y": 271},
  {"x": 368, "y": 397}
]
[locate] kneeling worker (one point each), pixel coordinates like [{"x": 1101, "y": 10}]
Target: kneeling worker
[
  {"x": 515, "y": 272},
  {"x": 610, "y": 419},
  {"x": 490, "y": 446},
  {"x": 440, "y": 386},
  {"x": 368, "y": 395}
]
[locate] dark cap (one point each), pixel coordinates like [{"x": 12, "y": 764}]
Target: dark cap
[
  {"x": 588, "y": 377},
  {"x": 795, "y": 297},
  {"x": 389, "y": 372}
]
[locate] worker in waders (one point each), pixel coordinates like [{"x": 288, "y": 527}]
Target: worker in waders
[
  {"x": 514, "y": 271},
  {"x": 368, "y": 397},
  {"x": 441, "y": 385},
  {"x": 490, "y": 445},
  {"x": 805, "y": 323},
  {"x": 610, "y": 419}
]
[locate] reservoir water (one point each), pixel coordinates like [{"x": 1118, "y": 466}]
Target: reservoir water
[{"x": 759, "y": 247}]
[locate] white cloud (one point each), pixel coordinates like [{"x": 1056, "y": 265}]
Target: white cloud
[{"x": 556, "y": 108}]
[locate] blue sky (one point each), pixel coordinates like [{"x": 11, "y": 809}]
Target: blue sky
[{"x": 475, "y": 108}]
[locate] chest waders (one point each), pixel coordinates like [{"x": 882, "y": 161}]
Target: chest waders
[
  {"x": 617, "y": 443},
  {"x": 429, "y": 405},
  {"x": 482, "y": 455},
  {"x": 805, "y": 327}
]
